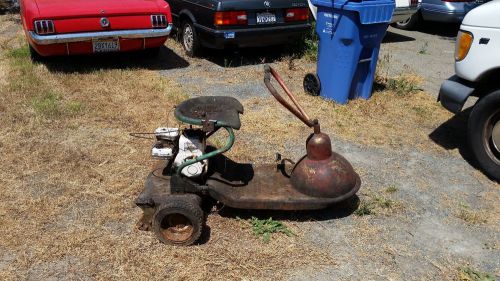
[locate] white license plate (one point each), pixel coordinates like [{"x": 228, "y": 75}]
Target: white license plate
[
  {"x": 105, "y": 46},
  {"x": 263, "y": 18}
]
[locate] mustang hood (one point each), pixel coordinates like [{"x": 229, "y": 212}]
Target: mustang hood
[{"x": 87, "y": 8}]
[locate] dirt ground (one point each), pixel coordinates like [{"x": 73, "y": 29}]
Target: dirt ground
[{"x": 71, "y": 171}]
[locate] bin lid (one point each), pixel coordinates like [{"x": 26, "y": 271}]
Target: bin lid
[{"x": 370, "y": 11}]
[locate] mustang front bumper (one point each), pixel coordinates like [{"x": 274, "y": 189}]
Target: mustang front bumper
[{"x": 87, "y": 36}]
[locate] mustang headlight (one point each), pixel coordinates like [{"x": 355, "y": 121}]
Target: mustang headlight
[
  {"x": 464, "y": 41},
  {"x": 43, "y": 27}
]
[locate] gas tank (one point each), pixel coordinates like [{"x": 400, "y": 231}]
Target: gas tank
[{"x": 322, "y": 172}]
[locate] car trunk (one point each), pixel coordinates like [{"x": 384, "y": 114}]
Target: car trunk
[
  {"x": 85, "y": 15},
  {"x": 262, "y": 13}
]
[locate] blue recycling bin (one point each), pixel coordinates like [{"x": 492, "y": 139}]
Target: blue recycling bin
[{"x": 350, "y": 34}]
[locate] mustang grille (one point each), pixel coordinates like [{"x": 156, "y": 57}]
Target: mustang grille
[
  {"x": 44, "y": 27},
  {"x": 158, "y": 21}
]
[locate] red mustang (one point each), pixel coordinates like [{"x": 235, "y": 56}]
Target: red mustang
[{"x": 70, "y": 27}]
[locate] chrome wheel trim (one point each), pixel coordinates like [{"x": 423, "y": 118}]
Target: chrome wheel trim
[
  {"x": 404, "y": 22},
  {"x": 188, "y": 37},
  {"x": 495, "y": 136},
  {"x": 491, "y": 137}
]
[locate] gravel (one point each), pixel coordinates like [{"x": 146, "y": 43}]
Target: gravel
[{"x": 425, "y": 241}]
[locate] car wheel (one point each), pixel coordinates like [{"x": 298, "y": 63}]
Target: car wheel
[
  {"x": 311, "y": 84},
  {"x": 410, "y": 23},
  {"x": 189, "y": 39},
  {"x": 484, "y": 134},
  {"x": 178, "y": 221}
]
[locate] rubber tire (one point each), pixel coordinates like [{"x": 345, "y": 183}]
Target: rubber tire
[
  {"x": 196, "y": 48},
  {"x": 415, "y": 19},
  {"x": 311, "y": 84},
  {"x": 484, "y": 109},
  {"x": 186, "y": 207}
]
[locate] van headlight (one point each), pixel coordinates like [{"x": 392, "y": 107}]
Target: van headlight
[{"x": 464, "y": 41}]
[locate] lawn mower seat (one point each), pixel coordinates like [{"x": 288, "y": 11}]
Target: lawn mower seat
[{"x": 223, "y": 111}]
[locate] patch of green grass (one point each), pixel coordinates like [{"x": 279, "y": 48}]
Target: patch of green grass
[
  {"x": 47, "y": 104},
  {"x": 402, "y": 85},
  {"x": 19, "y": 53},
  {"x": 74, "y": 107},
  {"x": 469, "y": 274},
  {"x": 364, "y": 209},
  {"x": 267, "y": 227},
  {"x": 372, "y": 203}
]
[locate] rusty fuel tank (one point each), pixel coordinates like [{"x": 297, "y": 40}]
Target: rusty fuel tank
[{"x": 322, "y": 172}]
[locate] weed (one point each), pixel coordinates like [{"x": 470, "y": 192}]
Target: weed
[
  {"x": 469, "y": 274},
  {"x": 372, "y": 204},
  {"x": 47, "y": 104},
  {"x": 423, "y": 49},
  {"x": 364, "y": 209},
  {"x": 307, "y": 47},
  {"x": 403, "y": 85},
  {"x": 266, "y": 228},
  {"x": 382, "y": 201},
  {"x": 391, "y": 189}
]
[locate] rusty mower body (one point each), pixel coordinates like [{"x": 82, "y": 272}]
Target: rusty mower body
[{"x": 194, "y": 172}]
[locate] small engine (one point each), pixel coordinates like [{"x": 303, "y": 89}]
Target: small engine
[{"x": 180, "y": 146}]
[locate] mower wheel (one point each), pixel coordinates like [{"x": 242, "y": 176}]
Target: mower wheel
[
  {"x": 178, "y": 221},
  {"x": 312, "y": 85}
]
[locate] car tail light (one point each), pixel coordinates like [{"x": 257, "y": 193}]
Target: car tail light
[
  {"x": 414, "y": 3},
  {"x": 158, "y": 21},
  {"x": 297, "y": 14},
  {"x": 44, "y": 27},
  {"x": 231, "y": 18},
  {"x": 464, "y": 41}
]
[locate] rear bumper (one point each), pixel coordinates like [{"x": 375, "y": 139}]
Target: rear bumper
[
  {"x": 251, "y": 37},
  {"x": 454, "y": 93},
  {"x": 449, "y": 12},
  {"x": 87, "y": 36}
]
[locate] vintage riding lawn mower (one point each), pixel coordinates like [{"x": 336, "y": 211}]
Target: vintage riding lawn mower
[{"x": 193, "y": 171}]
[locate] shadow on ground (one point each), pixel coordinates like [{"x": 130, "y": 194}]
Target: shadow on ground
[
  {"x": 250, "y": 56},
  {"x": 446, "y": 31},
  {"x": 336, "y": 211},
  {"x": 166, "y": 59},
  {"x": 452, "y": 134},
  {"x": 391, "y": 37}
]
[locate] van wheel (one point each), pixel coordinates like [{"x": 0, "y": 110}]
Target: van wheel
[
  {"x": 409, "y": 23},
  {"x": 484, "y": 134},
  {"x": 189, "y": 39}
]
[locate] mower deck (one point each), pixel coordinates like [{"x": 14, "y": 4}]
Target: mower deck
[
  {"x": 265, "y": 186},
  {"x": 243, "y": 186}
]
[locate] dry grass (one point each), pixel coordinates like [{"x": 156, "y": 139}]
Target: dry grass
[
  {"x": 70, "y": 173},
  {"x": 387, "y": 119}
]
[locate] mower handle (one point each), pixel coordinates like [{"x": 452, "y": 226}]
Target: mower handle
[{"x": 297, "y": 110}]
